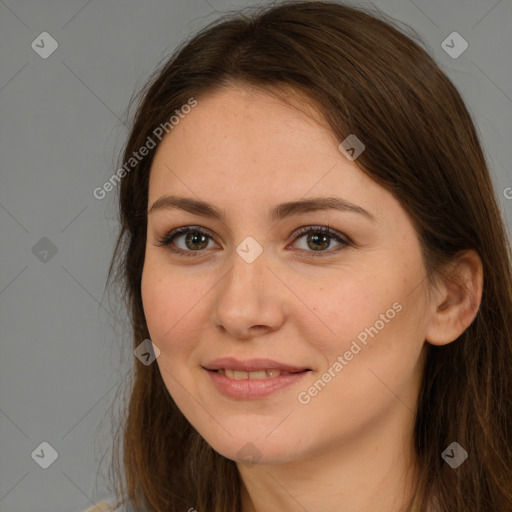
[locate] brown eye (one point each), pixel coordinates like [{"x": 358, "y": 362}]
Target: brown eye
[
  {"x": 319, "y": 238},
  {"x": 318, "y": 241},
  {"x": 195, "y": 240}
]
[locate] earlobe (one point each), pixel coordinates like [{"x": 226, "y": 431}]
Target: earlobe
[{"x": 458, "y": 299}]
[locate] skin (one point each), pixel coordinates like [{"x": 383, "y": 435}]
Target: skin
[{"x": 350, "y": 447}]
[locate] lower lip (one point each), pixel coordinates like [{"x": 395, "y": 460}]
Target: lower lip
[{"x": 252, "y": 389}]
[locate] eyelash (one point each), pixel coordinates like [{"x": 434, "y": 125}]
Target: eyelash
[{"x": 167, "y": 239}]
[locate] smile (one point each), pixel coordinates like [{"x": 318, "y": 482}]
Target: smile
[
  {"x": 258, "y": 375},
  {"x": 242, "y": 385}
]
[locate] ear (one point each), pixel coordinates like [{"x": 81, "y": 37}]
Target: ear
[{"x": 457, "y": 299}]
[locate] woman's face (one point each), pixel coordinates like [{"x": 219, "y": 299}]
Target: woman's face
[{"x": 349, "y": 308}]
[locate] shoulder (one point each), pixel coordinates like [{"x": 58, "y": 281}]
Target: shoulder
[
  {"x": 107, "y": 505},
  {"x": 103, "y": 506}
]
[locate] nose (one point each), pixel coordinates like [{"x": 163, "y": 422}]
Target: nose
[{"x": 249, "y": 299}]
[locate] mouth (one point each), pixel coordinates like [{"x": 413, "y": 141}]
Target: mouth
[
  {"x": 270, "y": 373},
  {"x": 258, "y": 382},
  {"x": 252, "y": 369}
]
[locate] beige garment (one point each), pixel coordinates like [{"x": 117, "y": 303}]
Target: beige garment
[{"x": 100, "y": 507}]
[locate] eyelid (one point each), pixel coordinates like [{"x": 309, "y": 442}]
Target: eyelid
[
  {"x": 340, "y": 237},
  {"x": 167, "y": 239}
]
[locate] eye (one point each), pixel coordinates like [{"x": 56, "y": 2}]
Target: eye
[
  {"x": 320, "y": 237},
  {"x": 196, "y": 239}
]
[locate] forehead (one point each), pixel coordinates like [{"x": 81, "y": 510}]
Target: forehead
[
  {"x": 243, "y": 128},
  {"x": 254, "y": 117},
  {"x": 242, "y": 143}
]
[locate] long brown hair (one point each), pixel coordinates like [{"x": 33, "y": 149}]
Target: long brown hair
[{"x": 368, "y": 78}]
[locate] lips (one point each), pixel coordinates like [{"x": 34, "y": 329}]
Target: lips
[
  {"x": 272, "y": 373},
  {"x": 252, "y": 379},
  {"x": 252, "y": 366}
]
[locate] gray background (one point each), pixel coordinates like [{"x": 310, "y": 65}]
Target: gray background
[{"x": 62, "y": 126}]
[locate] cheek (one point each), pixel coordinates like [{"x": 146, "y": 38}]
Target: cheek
[
  {"x": 372, "y": 318},
  {"x": 172, "y": 308},
  {"x": 345, "y": 307},
  {"x": 162, "y": 307},
  {"x": 154, "y": 299}
]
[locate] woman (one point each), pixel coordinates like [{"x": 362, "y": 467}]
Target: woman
[{"x": 311, "y": 241}]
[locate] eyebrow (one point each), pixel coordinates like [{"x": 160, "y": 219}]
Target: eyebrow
[{"x": 277, "y": 213}]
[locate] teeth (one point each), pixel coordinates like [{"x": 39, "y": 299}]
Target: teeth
[{"x": 261, "y": 374}]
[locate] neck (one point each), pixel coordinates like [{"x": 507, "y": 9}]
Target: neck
[{"x": 375, "y": 470}]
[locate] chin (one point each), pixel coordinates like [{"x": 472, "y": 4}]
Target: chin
[{"x": 254, "y": 449}]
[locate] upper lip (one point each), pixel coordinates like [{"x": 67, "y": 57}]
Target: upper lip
[{"x": 251, "y": 365}]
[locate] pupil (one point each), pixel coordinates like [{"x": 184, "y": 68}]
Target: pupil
[
  {"x": 318, "y": 239},
  {"x": 192, "y": 237}
]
